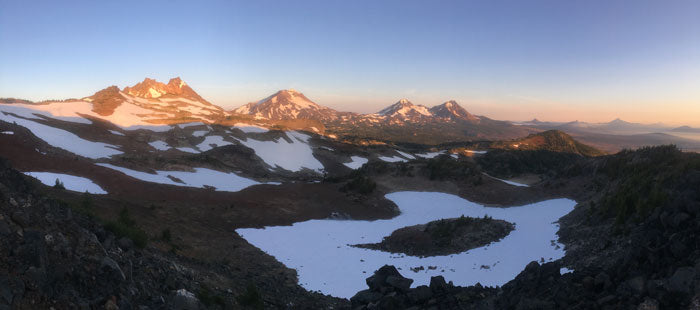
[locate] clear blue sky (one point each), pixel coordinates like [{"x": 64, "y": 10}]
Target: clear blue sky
[{"x": 555, "y": 60}]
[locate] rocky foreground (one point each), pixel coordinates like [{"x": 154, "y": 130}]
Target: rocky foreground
[{"x": 55, "y": 255}]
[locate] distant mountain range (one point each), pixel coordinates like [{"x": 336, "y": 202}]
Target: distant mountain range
[{"x": 151, "y": 102}]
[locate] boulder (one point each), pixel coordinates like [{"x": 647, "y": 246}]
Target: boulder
[
  {"x": 4, "y": 229},
  {"x": 681, "y": 280},
  {"x": 378, "y": 280},
  {"x": 183, "y": 299},
  {"x": 125, "y": 243},
  {"x": 420, "y": 294},
  {"x": 365, "y": 297},
  {"x": 399, "y": 282},
  {"x": 637, "y": 284},
  {"x": 5, "y": 291},
  {"x": 438, "y": 284},
  {"x": 21, "y": 218},
  {"x": 110, "y": 266}
]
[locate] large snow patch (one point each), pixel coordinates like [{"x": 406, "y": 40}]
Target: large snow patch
[{"x": 320, "y": 250}]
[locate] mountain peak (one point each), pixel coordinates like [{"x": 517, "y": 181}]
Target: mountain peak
[
  {"x": 405, "y": 109},
  {"x": 177, "y": 83},
  {"x": 287, "y": 104},
  {"x": 150, "y": 89},
  {"x": 452, "y": 110}
]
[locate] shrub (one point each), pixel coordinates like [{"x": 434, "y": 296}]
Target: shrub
[
  {"x": 165, "y": 235},
  {"x": 208, "y": 299},
  {"x": 360, "y": 184},
  {"x": 58, "y": 185},
  {"x": 125, "y": 226},
  {"x": 251, "y": 297}
]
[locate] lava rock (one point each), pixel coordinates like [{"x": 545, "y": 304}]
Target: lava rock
[
  {"x": 21, "y": 218},
  {"x": 365, "y": 297},
  {"x": 681, "y": 280},
  {"x": 438, "y": 284},
  {"x": 183, "y": 299},
  {"x": 110, "y": 266},
  {"x": 4, "y": 229},
  {"x": 125, "y": 243},
  {"x": 399, "y": 282}
]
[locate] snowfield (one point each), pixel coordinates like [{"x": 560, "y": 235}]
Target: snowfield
[
  {"x": 70, "y": 182},
  {"x": 222, "y": 181},
  {"x": 159, "y": 145},
  {"x": 356, "y": 162},
  {"x": 59, "y": 137},
  {"x": 409, "y": 156},
  {"x": 320, "y": 250},
  {"x": 247, "y": 128},
  {"x": 508, "y": 182},
  {"x": 211, "y": 142},
  {"x": 392, "y": 159},
  {"x": 430, "y": 154},
  {"x": 65, "y": 111},
  {"x": 292, "y": 156}
]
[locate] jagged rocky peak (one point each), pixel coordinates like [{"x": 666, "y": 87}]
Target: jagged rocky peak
[
  {"x": 452, "y": 110},
  {"x": 151, "y": 88}
]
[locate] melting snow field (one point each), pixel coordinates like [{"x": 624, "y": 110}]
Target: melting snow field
[
  {"x": 247, "y": 128},
  {"x": 59, "y": 137},
  {"x": 319, "y": 249},
  {"x": 289, "y": 156},
  {"x": 70, "y": 182},
  {"x": 430, "y": 154},
  {"x": 392, "y": 159},
  {"x": 222, "y": 181}
]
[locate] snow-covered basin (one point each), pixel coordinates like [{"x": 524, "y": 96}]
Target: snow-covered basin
[
  {"x": 320, "y": 250},
  {"x": 70, "y": 182}
]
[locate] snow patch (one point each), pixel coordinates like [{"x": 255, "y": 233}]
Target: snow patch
[
  {"x": 392, "y": 159},
  {"x": 70, "y": 182},
  {"x": 289, "y": 156},
  {"x": 188, "y": 150},
  {"x": 222, "y": 181},
  {"x": 211, "y": 142},
  {"x": 199, "y": 133},
  {"x": 356, "y": 162},
  {"x": 159, "y": 145},
  {"x": 409, "y": 156},
  {"x": 64, "y": 139},
  {"x": 247, "y": 128},
  {"x": 508, "y": 182},
  {"x": 430, "y": 154}
]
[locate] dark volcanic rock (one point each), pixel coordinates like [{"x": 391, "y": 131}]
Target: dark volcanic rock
[{"x": 390, "y": 290}]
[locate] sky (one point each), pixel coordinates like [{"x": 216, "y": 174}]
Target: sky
[{"x": 514, "y": 60}]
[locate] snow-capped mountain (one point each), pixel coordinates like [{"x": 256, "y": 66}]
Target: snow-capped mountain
[
  {"x": 453, "y": 111},
  {"x": 405, "y": 110},
  {"x": 286, "y": 105}
]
